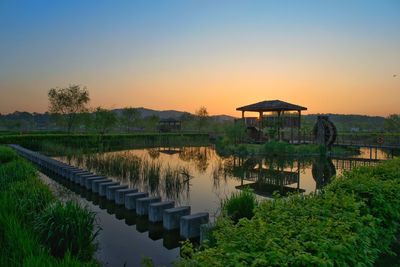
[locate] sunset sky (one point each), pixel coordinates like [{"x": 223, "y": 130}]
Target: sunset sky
[{"x": 330, "y": 56}]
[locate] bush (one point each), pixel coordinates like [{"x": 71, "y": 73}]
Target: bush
[
  {"x": 350, "y": 223},
  {"x": 240, "y": 205},
  {"x": 67, "y": 227},
  {"x": 7, "y": 154}
]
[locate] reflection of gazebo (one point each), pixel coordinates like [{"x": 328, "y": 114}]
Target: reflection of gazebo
[
  {"x": 266, "y": 180},
  {"x": 281, "y": 116}
]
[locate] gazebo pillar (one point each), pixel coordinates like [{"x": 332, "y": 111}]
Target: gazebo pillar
[
  {"x": 298, "y": 130},
  {"x": 260, "y": 124},
  {"x": 279, "y": 125}
]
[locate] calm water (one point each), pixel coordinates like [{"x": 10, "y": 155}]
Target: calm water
[{"x": 205, "y": 180}]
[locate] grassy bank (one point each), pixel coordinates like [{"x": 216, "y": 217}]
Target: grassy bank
[
  {"x": 56, "y": 143},
  {"x": 280, "y": 149},
  {"x": 36, "y": 229},
  {"x": 352, "y": 222}
]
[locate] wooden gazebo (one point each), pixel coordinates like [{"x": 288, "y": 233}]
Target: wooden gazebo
[{"x": 278, "y": 109}]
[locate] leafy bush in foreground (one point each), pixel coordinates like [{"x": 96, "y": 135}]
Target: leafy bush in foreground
[{"x": 350, "y": 223}]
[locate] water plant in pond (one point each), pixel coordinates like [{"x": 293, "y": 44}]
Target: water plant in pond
[
  {"x": 143, "y": 172},
  {"x": 151, "y": 173},
  {"x": 240, "y": 205}
]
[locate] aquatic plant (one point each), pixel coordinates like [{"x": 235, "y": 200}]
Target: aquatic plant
[{"x": 240, "y": 205}]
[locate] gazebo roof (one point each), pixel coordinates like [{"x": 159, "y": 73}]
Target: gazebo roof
[{"x": 271, "y": 105}]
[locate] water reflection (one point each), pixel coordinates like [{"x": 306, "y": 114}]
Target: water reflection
[
  {"x": 199, "y": 177},
  {"x": 171, "y": 239},
  {"x": 322, "y": 171}
]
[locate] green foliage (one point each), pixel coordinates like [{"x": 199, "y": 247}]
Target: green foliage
[
  {"x": 350, "y": 223},
  {"x": 240, "y": 205},
  {"x": 235, "y": 133},
  {"x": 103, "y": 120},
  {"x": 67, "y": 227},
  {"x": 72, "y": 142},
  {"x": 392, "y": 123},
  {"x": 7, "y": 154},
  {"x": 23, "y": 198},
  {"x": 130, "y": 118},
  {"x": 68, "y": 102},
  {"x": 14, "y": 171}
]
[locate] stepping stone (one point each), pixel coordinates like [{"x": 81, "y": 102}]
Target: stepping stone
[
  {"x": 172, "y": 217},
  {"x": 156, "y": 210},
  {"x": 130, "y": 199},
  {"x": 190, "y": 224},
  {"x": 120, "y": 195},
  {"x": 142, "y": 204}
]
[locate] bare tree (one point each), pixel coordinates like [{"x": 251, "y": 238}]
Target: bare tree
[{"x": 68, "y": 102}]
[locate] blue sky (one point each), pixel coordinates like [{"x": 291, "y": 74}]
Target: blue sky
[{"x": 178, "y": 54}]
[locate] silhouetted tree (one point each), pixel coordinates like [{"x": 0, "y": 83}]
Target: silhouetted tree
[
  {"x": 103, "y": 120},
  {"x": 129, "y": 118},
  {"x": 68, "y": 102},
  {"x": 202, "y": 117}
]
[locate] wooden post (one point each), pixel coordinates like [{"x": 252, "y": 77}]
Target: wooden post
[
  {"x": 298, "y": 130},
  {"x": 279, "y": 126},
  {"x": 260, "y": 125}
]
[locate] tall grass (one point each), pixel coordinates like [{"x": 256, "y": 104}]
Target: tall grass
[
  {"x": 67, "y": 227},
  {"x": 240, "y": 205},
  {"x": 7, "y": 154},
  {"x": 23, "y": 199}
]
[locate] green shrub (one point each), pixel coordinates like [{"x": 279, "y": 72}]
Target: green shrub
[
  {"x": 67, "y": 227},
  {"x": 240, "y": 205},
  {"x": 350, "y": 223},
  {"x": 7, "y": 154}
]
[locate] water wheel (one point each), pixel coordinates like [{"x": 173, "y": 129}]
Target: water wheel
[{"x": 325, "y": 131}]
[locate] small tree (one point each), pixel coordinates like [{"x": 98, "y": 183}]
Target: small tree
[
  {"x": 202, "y": 117},
  {"x": 129, "y": 118},
  {"x": 68, "y": 102},
  {"x": 150, "y": 122},
  {"x": 235, "y": 133},
  {"x": 104, "y": 120}
]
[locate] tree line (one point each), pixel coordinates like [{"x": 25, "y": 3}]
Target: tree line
[{"x": 69, "y": 111}]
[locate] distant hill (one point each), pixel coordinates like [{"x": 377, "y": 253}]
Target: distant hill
[{"x": 175, "y": 114}]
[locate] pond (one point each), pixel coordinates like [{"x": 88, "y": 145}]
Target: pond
[{"x": 194, "y": 176}]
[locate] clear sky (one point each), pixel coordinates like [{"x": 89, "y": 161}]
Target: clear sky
[{"x": 332, "y": 56}]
